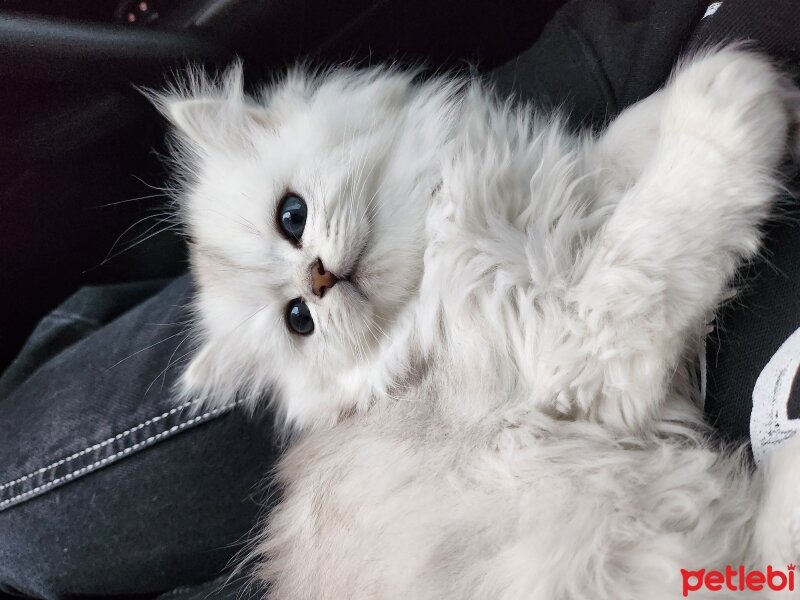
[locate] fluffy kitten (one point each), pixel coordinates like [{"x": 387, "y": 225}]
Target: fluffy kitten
[{"x": 480, "y": 325}]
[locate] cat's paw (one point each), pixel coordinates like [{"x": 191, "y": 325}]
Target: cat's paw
[{"x": 735, "y": 101}]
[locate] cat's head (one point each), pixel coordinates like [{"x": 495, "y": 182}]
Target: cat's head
[{"x": 305, "y": 208}]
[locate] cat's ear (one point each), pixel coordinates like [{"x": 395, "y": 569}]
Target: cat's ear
[
  {"x": 209, "y": 112},
  {"x": 211, "y": 122}
]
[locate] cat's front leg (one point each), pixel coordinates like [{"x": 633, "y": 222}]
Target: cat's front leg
[
  {"x": 662, "y": 262},
  {"x": 617, "y": 157}
]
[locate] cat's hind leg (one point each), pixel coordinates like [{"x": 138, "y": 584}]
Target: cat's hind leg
[{"x": 660, "y": 265}]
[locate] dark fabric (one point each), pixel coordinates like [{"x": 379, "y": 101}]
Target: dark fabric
[
  {"x": 752, "y": 328},
  {"x": 773, "y": 26},
  {"x": 107, "y": 485},
  {"x": 596, "y": 57},
  {"x": 81, "y": 314},
  {"x": 226, "y": 587}
]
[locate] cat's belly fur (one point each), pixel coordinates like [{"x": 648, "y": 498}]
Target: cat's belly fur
[{"x": 399, "y": 505}]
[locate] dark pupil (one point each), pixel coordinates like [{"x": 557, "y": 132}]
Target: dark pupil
[
  {"x": 293, "y": 216},
  {"x": 299, "y": 317}
]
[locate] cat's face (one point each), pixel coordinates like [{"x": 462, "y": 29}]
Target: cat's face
[{"x": 306, "y": 213}]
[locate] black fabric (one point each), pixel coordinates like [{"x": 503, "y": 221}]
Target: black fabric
[
  {"x": 772, "y": 26},
  {"x": 596, "y": 57},
  {"x": 751, "y": 329},
  {"x": 89, "y": 309},
  {"x": 793, "y": 407},
  {"x": 109, "y": 486},
  {"x": 237, "y": 586}
]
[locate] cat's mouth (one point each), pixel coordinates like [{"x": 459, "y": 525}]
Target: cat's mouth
[{"x": 352, "y": 274}]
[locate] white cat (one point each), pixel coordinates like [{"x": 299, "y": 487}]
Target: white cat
[{"x": 480, "y": 327}]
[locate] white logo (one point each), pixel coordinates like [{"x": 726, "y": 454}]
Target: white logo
[
  {"x": 712, "y": 8},
  {"x": 770, "y": 422}
]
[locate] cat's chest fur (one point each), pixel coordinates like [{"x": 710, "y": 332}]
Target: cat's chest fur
[{"x": 507, "y": 234}]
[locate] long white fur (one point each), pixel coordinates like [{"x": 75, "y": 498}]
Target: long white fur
[{"x": 506, "y": 409}]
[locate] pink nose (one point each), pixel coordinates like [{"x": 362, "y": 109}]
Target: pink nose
[{"x": 321, "y": 280}]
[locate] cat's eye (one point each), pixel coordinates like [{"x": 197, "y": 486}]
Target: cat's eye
[
  {"x": 298, "y": 317},
  {"x": 292, "y": 213}
]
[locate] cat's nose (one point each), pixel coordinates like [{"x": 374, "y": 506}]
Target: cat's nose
[{"x": 321, "y": 280}]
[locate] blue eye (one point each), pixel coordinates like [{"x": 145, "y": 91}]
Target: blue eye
[
  {"x": 298, "y": 317},
  {"x": 292, "y": 212}
]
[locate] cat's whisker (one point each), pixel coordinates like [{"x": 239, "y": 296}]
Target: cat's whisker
[
  {"x": 119, "y": 362},
  {"x": 374, "y": 329},
  {"x": 157, "y": 188},
  {"x": 121, "y": 235},
  {"x": 357, "y": 342},
  {"x": 247, "y": 222},
  {"x": 232, "y": 331},
  {"x": 172, "y": 227},
  {"x": 364, "y": 180},
  {"x": 361, "y": 343},
  {"x": 170, "y": 362},
  {"x": 129, "y": 200},
  {"x": 373, "y": 326},
  {"x": 160, "y": 219}
]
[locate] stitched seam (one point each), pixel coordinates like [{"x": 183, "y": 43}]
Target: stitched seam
[
  {"x": 98, "y": 445},
  {"x": 119, "y": 454}
]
